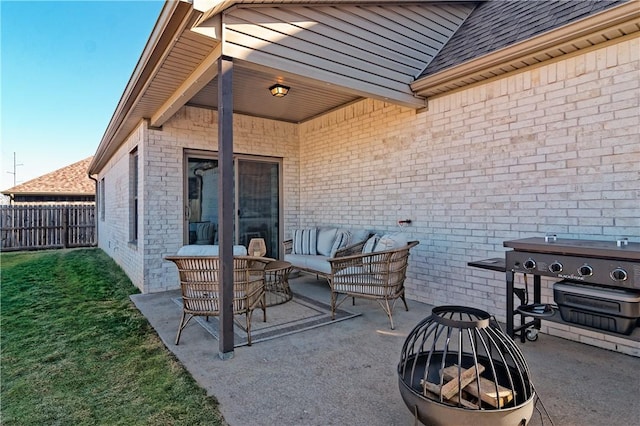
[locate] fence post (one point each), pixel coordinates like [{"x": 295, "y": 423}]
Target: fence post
[{"x": 65, "y": 227}]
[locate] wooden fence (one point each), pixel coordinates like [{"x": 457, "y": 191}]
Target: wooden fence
[{"x": 39, "y": 226}]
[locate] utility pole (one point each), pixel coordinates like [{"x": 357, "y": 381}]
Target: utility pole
[{"x": 14, "y": 173}]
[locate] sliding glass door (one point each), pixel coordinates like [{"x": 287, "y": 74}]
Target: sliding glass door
[
  {"x": 256, "y": 194},
  {"x": 257, "y": 199}
]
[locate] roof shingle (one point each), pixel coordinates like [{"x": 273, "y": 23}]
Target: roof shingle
[
  {"x": 496, "y": 24},
  {"x": 69, "y": 180}
]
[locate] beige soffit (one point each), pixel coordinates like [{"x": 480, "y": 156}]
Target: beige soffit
[
  {"x": 205, "y": 73},
  {"x": 174, "y": 18},
  {"x": 613, "y": 23},
  {"x": 211, "y": 8}
]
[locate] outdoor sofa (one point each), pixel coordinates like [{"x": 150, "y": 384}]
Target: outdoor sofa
[{"x": 311, "y": 248}]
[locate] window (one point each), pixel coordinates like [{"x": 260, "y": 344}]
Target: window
[{"x": 133, "y": 196}]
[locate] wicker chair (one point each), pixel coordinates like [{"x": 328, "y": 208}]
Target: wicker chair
[
  {"x": 200, "y": 288},
  {"x": 377, "y": 276}
]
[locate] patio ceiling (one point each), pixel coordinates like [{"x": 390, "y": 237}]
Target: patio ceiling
[
  {"x": 306, "y": 98},
  {"x": 329, "y": 53}
]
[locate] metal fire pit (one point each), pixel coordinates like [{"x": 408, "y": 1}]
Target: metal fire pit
[{"x": 457, "y": 367}]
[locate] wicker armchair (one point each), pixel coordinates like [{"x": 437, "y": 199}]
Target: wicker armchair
[
  {"x": 200, "y": 288},
  {"x": 377, "y": 276}
]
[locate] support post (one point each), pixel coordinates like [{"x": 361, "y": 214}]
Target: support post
[{"x": 225, "y": 210}]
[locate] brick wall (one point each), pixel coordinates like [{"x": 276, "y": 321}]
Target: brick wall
[
  {"x": 555, "y": 148},
  {"x": 113, "y": 231},
  {"x": 552, "y": 149}
]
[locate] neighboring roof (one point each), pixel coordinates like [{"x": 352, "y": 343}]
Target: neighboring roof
[
  {"x": 498, "y": 23},
  {"x": 69, "y": 180}
]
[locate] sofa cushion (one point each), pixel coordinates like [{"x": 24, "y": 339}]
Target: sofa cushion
[
  {"x": 208, "y": 250},
  {"x": 358, "y": 235},
  {"x": 304, "y": 241},
  {"x": 309, "y": 261},
  {"x": 391, "y": 241},
  {"x": 319, "y": 263},
  {"x": 326, "y": 238}
]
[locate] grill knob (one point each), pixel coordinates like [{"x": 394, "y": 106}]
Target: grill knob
[
  {"x": 529, "y": 264},
  {"x": 555, "y": 267},
  {"x": 585, "y": 270},
  {"x": 619, "y": 274}
]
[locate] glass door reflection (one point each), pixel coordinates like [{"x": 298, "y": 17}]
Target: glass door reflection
[{"x": 257, "y": 197}]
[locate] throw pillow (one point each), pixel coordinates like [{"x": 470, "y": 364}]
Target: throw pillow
[
  {"x": 391, "y": 241},
  {"x": 346, "y": 237},
  {"x": 370, "y": 244},
  {"x": 326, "y": 238},
  {"x": 342, "y": 240},
  {"x": 304, "y": 241}
]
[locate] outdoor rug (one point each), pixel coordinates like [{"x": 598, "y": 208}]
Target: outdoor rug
[{"x": 299, "y": 314}]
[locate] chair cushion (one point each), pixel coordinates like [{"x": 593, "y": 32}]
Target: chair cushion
[
  {"x": 326, "y": 238},
  {"x": 391, "y": 241},
  {"x": 208, "y": 250},
  {"x": 304, "y": 241}
]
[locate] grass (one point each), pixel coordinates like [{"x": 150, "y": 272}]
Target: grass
[{"x": 76, "y": 351}]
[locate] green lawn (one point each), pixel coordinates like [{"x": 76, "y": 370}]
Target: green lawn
[{"x": 76, "y": 351}]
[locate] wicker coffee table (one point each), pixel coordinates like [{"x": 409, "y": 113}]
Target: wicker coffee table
[{"x": 276, "y": 282}]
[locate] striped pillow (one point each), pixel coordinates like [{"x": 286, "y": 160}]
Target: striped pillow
[{"x": 304, "y": 241}]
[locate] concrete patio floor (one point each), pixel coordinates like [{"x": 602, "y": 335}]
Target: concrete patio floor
[{"x": 345, "y": 373}]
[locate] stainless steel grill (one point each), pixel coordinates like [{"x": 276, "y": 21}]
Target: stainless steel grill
[
  {"x": 604, "y": 263},
  {"x": 610, "y": 266}
]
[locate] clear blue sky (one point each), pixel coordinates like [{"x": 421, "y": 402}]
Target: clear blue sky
[{"x": 64, "y": 66}]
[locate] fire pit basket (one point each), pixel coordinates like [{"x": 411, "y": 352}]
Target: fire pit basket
[{"x": 457, "y": 367}]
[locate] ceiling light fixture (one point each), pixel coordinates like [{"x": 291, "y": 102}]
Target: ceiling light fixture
[{"x": 278, "y": 90}]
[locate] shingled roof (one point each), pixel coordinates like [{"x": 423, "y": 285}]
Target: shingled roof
[
  {"x": 69, "y": 180},
  {"x": 496, "y": 24}
]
